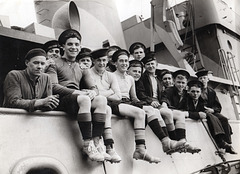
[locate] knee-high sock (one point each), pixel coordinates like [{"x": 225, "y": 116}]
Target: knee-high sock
[
  {"x": 165, "y": 131},
  {"x": 139, "y": 136},
  {"x": 98, "y": 121},
  {"x": 107, "y": 135},
  {"x": 180, "y": 134},
  {"x": 157, "y": 129},
  {"x": 84, "y": 122}
]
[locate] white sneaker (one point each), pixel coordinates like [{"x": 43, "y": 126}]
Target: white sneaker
[
  {"x": 101, "y": 149},
  {"x": 115, "y": 157},
  {"x": 92, "y": 152}
]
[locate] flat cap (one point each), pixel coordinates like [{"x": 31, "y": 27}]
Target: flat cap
[
  {"x": 35, "y": 52},
  {"x": 99, "y": 53},
  {"x": 136, "y": 45},
  {"x": 202, "y": 73},
  {"x": 196, "y": 83},
  {"x": 51, "y": 44},
  {"x": 148, "y": 58},
  {"x": 135, "y": 63},
  {"x": 182, "y": 72},
  {"x": 85, "y": 52},
  {"x": 119, "y": 53},
  {"x": 69, "y": 33}
]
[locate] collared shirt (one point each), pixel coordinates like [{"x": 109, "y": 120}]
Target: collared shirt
[
  {"x": 67, "y": 77},
  {"x": 21, "y": 92},
  {"x": 105, "y": 82},
  {"x": 154, "y": 86}
]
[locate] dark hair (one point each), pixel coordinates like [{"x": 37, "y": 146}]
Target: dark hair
[{"x": 69, "y": 33}]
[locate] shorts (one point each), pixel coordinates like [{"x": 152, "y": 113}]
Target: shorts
[
  {"x": 68, "y": 104},
  {"x": 114, "y": 105}
]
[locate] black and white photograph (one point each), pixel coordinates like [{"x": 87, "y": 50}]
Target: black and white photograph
[{"x": 120, "y": 86}]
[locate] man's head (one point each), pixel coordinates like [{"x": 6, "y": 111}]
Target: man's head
[
  {"x": 180, "y": 78},
  {"x": 150, "y": 63},
  {"x": 70, "y": 40},
  {"x": 52, "y": 48},
  {"x": 195, "y": 89},
  {"x": 166, "y": 77},
  {"x": 35, "y": 61},
  {"x": 111, "y": 50},
  {"x": 137, "y": 49},
  {"x": 203, "y": 77},
  {"x": 121, "y": 60},
  {"x": 100, "y": 59},
  {"x": 85, "y": 57},
  {"x": 135, "y": 69}
]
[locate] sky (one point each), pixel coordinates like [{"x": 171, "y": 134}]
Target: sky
[{"x": 22, "y": 13}]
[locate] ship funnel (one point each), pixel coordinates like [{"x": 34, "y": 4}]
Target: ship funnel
[{"x": 67, "y": 17}]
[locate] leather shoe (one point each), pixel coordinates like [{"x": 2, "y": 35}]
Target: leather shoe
[{"x": 229, "y": 149}]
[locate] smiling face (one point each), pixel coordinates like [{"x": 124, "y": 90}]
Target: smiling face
[
  {"x": 151, "y": 66},
  {"x": 135, "y": 72},
  {"x": 53, "y": 53},
  {"x": 180, "y": 82},
  {"x": 101, "y": 63},
  {"x": 71, "y": 48},
  {"x": 122, "y": 63},
  {"x": 36, "y": 66}
]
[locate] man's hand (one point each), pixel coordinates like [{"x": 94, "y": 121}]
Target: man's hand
[
  {"x": 202, "y": 115},
  {"x": 155, "y": 104},
  {"x": 208, "y": 110},
  {"x": 48, "y": 103},
  {"x": 90, "y": 93}
]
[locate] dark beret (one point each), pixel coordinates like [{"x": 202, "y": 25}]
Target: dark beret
[
  {"x": 148, "y": 58},
  {"x": 182, "y": 72},
  {"x": 35, "y": 52},
  {"x": 85, "y": 52},
  {"x": 195, "y": 83},
  {"x": 202, "y": 73},
  {"x": 69, "y": 33},
  {"x": 136, "y": 45},
  {"x": 119, "y": 53},
  {"x": 99, "y": 53},
  {"x": 135, "y": 63},
  {"x": 51, "y": 44}
]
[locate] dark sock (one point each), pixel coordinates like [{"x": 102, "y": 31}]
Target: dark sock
[
  {"x": 165, "y": 131},
  {"x": 84, "y": 122},
  {"x": 180, "y": 133},
  {"x": 98, "y": 124},
  {"x": 172, "y": 135},
  {"x": 109, "y": 142},
  {"x": 157, "y": 129},
  {"x": 86, "y": 129}
]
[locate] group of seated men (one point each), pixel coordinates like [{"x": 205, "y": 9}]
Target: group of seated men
[{"x": 90, "y": 86}]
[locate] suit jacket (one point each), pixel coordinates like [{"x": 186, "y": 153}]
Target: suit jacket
[
  {"x": 173, "y": 100},
  {"x": 212, "y": 100},
  {"x": 144, "y": 88},
  {"x": 192, "y": 109}
]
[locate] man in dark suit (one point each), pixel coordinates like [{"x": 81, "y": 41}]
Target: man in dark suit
[{"x": 213, "y": 106}]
